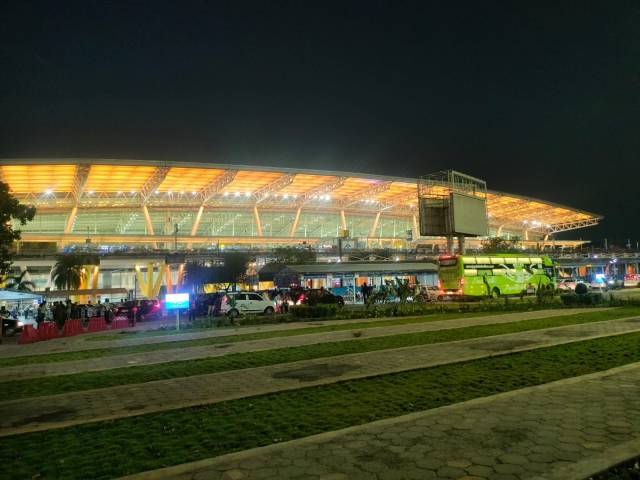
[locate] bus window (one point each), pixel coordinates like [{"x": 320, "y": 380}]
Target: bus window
[{"x": 448, "y": 262}]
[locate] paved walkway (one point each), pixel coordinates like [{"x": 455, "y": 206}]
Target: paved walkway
[
  {"x": 82, "y": 342},
  {"x": 41, "y": 413},
  {"x": 220, "y": 349},
  {"x": 565, "y": 430}
]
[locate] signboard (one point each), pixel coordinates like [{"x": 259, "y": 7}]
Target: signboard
[
  {"x": 434, "y": 218},
  {"x": 469, "y": 215},
  {"x": 175, "y": 301}
]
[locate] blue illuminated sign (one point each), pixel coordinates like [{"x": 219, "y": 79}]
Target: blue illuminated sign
[{"x": 175, "y": 301}]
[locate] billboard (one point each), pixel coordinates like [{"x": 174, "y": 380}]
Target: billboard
[
  {"x": 468, "y": 215},
  {"x": 434, "y": 218},
  {"x": 175, "y": 301}
]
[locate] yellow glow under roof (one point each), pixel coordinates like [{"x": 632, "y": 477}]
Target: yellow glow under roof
[
  {"x": 115, "y": 178},
  {"x": 188, "y": 179},
  {"x": 27, "y": 179}
]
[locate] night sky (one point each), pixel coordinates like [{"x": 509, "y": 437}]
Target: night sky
[{"x": 540, "y": 100}]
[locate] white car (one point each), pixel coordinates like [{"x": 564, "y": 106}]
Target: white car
[
  {"x": 632, "y": 280},
  {"x": 567, "y": 283},
  {"x": 241, "y": 303}
]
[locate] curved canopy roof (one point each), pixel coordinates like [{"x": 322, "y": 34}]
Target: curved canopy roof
[{"x": 109, "y": 183}]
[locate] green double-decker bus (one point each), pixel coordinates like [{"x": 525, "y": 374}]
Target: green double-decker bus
[{"x": 494, "y": 275}]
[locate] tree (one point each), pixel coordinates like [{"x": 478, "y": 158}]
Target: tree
[
  {"x": 235, "y": 267},
  {"x": 18, "y": 282},
  {"x": 292, "y": 255},
  {"x": 501, "y": 245},
  {"x": 68, "y": 271},
  {"x": 233, "y": 270},
  {"x": 196, "y": 274},
  {"x": 10, "y": 209}
]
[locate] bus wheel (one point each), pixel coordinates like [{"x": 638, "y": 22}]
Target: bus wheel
[{"x": 495, "y": 293}]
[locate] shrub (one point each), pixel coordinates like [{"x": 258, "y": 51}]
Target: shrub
[
  {"x": 591, "y": 298},
  {"x": 581, "y": 289},
  {"x": 314, "y": 311},
  {"x": 569, "y": 299}
]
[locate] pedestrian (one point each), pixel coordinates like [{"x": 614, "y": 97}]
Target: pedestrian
[
  {"x": 365, "y": 292},
  {"x": 40, "y": 314},
  {"x": 278, "y": 298},
  {"x": 69, "y": 309},
  {"x": 192, "y": 310},
  {"x": 59, "y": 313},
  {"x": 286, "y": 298},
  {"x": 107, "y": 311},
  {"x": 133, "y": 311}
]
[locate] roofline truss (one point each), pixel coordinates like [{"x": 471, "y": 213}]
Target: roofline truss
[
  {"x": 218, "y": 184},
  {"x": 274, "y": 187},
  {"x": 365, "y": 193},
  {"x": 320, "y": 190},
  {"x": 153, "y": 182},
  {"x": 80, "y": 180}
]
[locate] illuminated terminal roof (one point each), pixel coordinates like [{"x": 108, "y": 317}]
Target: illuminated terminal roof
[{"x": 56, "y": 186}]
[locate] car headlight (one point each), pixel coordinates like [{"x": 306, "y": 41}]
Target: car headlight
[{"x": 19, "y": 324}]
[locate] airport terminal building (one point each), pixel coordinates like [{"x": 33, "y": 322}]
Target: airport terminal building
[
  {"x": 147, "y": 207},
  {"x": 186, "y": 206}
]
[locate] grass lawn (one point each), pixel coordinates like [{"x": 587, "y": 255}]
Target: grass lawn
[
  {"x": 146, "y": 373},
  {"x": 109, "y": 351},
  {"x": 118, "y": 447}
]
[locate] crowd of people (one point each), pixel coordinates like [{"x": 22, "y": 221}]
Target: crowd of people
[{"x": 60, "y": 312}]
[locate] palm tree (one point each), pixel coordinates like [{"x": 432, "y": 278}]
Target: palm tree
[
  {"x": 68, "y": 270},
  {"x": 18, "y": 282}
]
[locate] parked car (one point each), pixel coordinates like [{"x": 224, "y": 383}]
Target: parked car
[
  {"x": 314, "y": 296},
  {"x": 240, "y": 303},
  {"x": 567, "y": 284},
  {"x": 149, "y": 309},
  {"x": 599, "y": 282},
  {"x": 11, "y": 326},
  {"x": 632, "y": 280},
  {"x": 428, "y": 293}
]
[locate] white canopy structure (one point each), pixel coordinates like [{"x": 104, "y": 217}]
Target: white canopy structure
[{"x": 16, "y": 296}]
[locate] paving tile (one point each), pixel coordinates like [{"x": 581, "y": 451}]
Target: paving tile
[{"x": 459, "y": 454}]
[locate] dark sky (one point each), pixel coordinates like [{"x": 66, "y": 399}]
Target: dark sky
[{"x": 541, "y": 100}]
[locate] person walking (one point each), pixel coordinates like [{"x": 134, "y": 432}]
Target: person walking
[
  {"x": 68, "y": 309},
  {"x": 193, "y": 307},
  {"x": 107, "y": 312},
  {"x": 40, "y": 315},
  {"x": 365, "y": 292},
  {"x": 59, "y": 312}
]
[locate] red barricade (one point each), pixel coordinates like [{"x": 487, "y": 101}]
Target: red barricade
[
  {"x": 47, "y": 331},
  {"x": 72, "y": 327},
  {"x": 119, "y": 322},
  {"x": 29, "y": 335},
  {"x": 97, "y": 324}
]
